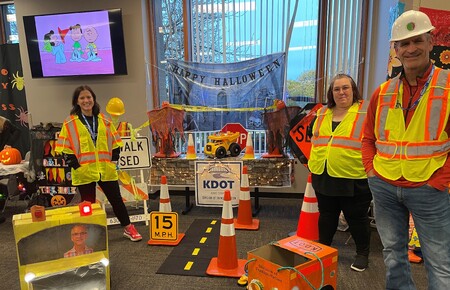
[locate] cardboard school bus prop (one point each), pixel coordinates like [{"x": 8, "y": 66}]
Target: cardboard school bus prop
[
  {"x": 45, "y": 249},
  {"x": 288, "y": 263}
]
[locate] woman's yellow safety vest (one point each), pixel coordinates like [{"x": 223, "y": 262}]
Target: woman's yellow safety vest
[
  {"x": 419, "y": 150},
  {"x": 95, "y": 160},
  {"x": 339, "y": 151}
]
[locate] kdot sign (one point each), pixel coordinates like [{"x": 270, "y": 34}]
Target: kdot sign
[
  {"x": 237, "y": 127},
  {"x": 134, "y": 154}
]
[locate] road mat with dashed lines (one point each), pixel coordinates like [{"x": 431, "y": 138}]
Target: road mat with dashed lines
[{"x": 192, "y": 256}]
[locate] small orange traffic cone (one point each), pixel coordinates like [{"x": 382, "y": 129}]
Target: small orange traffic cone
[
  {"x": 165, "y": 207},
  {"x": 413, "y": 258},
  {"x": 190, "y": 154},
  {"x": 226, "y": 263},
  {"x": 308, "y": 223},
  {"x": 244, "y": 219},
  {"x": 249, "y": 151}
]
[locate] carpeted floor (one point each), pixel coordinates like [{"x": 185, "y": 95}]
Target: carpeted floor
[{"x": 135, "y": 265}]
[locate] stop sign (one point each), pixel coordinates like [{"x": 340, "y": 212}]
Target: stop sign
[{"x": 237, "y": 127}]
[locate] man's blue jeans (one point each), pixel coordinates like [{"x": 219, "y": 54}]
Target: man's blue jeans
[{"x": 430, "y": 209}]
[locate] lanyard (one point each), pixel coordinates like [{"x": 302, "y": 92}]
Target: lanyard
[
  {"x": 422, "y": 92},
  {"x": 90, "y": 129}
]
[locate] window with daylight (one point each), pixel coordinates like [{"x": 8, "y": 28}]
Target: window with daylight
[
  {"x": 228, "y": 31},
  {"x": 9, "y": 33}
]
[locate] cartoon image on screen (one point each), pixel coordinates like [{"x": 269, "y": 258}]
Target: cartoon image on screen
[
  {"x": 77, "y": 34},
  {"x": 75, "y": 42},
  {"x": 54, "y": 46},
  {"x": 91, "y": 36}
]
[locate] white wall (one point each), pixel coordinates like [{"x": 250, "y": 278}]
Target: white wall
[
  {"x": 49, "y": 100},
  {"x": 378, "y": 49}
]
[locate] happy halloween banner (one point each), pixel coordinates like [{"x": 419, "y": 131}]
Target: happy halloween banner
[{"x": 254, "y": 83}]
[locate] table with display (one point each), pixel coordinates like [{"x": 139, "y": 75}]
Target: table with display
[
  {"x": 6, "y": 171},
  {"x": 263, "y": 173}
]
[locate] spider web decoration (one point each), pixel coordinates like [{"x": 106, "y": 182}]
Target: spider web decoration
[
  {"x": 277, "y": 127},
  {"x": 164, "y": 123}
]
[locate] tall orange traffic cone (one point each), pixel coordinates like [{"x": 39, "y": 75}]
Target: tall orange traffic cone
[
  {"x": 244, "y": 219},
  {"x": 226, "y": 263},
  {"x": 190, "y": 154},
  {"x": 249, "y": 151},
  {"x": 308, "y": 223},
  {"x": 164, "y": 199},
  {"x": 165, "y": 207}
]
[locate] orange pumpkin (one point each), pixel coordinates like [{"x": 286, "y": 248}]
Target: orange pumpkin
[
  {"x": 58, "y": 200},
  {"x": 9, "y": 156}
]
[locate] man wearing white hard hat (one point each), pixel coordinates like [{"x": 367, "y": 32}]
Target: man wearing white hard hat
[{"x": 405, "y": 149}]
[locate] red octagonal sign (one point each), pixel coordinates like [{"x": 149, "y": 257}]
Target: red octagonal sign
[{"x": 237, "y": 127}]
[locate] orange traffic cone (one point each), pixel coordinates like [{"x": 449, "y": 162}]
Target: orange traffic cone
[
  {"x": 308, "y": 223},
  {"x": 165, "y": 206},
  {"x": 164, "y": 199},
  {"x": 244, "y": 219},
  {"x": 413, "y": 258},
  {"x": 190, "y": 154},
  {"x": 226, "y": 263},
  {"x": 249, "y": 151}
]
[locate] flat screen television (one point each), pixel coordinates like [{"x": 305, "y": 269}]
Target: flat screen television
[{"x": 76, "y": 43}]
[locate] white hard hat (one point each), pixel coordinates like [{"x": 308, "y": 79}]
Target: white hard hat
[{"x": 410, "y": 23}]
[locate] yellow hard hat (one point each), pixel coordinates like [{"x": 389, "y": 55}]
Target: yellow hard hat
[
  {"x": 410, "y": 23},
  {"x": 115, "y": 107}
]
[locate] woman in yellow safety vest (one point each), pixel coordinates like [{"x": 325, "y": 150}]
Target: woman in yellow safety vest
[
  {"x": 91, "y": 147},
  {"x": 338, "y": 175}
]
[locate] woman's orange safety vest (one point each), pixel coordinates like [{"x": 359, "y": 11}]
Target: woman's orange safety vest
[
  {"x": 95, "y": 160},
  {"x": 419, "y": 150},
  {"x": 339, "y": 151}
]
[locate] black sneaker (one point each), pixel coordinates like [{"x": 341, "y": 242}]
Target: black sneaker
[{"x": 360, "y": 263}]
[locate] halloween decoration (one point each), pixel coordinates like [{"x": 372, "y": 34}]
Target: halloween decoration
[
  {"x": 58, "y": 200},
  {"x": 9, "y": 156},
  {"x": 164, "y": 123},
  {"x": 277, "y": 127}
]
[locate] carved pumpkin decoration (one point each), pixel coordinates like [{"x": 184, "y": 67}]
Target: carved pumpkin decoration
[
  {"x": 58, "y": 200},
  {"x": 10, "y": 156}
]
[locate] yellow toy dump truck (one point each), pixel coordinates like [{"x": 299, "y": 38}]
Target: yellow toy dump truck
[{"x": 222, "y": 144}]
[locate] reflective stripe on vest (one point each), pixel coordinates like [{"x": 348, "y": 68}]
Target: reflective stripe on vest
[
  {"x": 338, "y": 151},
  {"x": 87, "y": 157},
  {"x": 351, "y": 142},
  {"x": 436, "y": 108}
]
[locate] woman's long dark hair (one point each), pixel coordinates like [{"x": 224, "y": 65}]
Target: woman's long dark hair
[
  {"x": 76, "y": 110},
  {"x": 356, "y": 95}
]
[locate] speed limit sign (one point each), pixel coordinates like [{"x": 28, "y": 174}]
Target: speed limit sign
[{"x": 164, "y": 228}]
